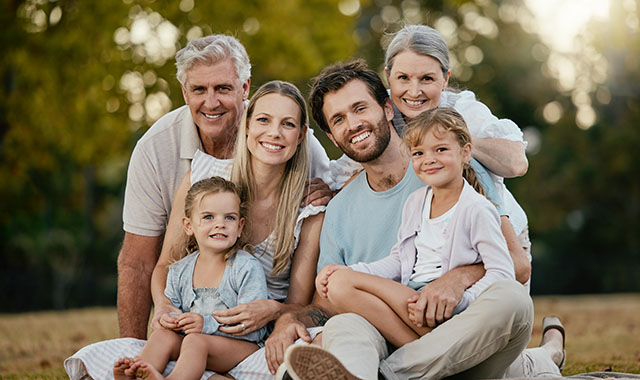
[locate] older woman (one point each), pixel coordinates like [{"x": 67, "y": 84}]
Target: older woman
[{"x": 418, "y": 71}]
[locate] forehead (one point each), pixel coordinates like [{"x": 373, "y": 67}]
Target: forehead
[
  {"x": 437, "y": 134},
  {"x": 409, "y": 60},
  {"x": 223, "y": 71},
  {"x": 221, "y": 202},
  {"x": 277, "y": 104},
  {"x": 355, "y": 91}
]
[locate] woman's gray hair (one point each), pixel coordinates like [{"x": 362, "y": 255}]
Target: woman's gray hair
[
  {"x": 420, "y": 39},
  {"x": 210, "y": 50}
]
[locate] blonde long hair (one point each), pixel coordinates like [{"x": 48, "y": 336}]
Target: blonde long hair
[
  {"x": 292, "y": 185},
  {"x": 445, "y": 119}
]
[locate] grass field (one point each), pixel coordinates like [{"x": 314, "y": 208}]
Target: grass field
[{"x": 603, "y": 333}]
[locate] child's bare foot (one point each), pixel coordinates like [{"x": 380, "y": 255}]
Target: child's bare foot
[
  {"x": 145, "y": 371},
  {"x": 120, "y": 369}
]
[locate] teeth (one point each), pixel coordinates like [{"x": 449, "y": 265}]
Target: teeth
[
  {"x": 414, "y": 103},
  {"x": 212, "y": 117},
  {"x": 272, "y": 147},
  {"x": 360, "y": 137},
  {"x": 218, "y": 235}
]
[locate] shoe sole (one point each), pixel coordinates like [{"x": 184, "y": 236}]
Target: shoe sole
[{"x": 314, "y": 363}]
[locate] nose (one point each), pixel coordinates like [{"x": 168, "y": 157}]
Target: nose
[
  {"x": 414, "y": 88},
  {"x": 273, "y": 130},
  {"x": 353, "y": 121},
  {"x": 211, "y": 100}
]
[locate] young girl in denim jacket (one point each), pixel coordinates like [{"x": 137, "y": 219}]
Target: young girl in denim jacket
[{"x": 217, "y": 274}]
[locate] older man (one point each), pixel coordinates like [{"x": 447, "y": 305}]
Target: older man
[{"x": 214, "y": 74}]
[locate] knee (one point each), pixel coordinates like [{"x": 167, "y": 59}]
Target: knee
[
  {"x": 339, "y": 286},
  {"x": 165, "y": 337},
  {"x": 510, "y": 299},
  {"x": 193, "y": 340}
]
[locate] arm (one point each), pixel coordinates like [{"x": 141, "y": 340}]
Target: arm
[
  {"x": 173, "y": 241},
  {"x": 521, "y": 263},
  {"x": 135, "y": 265},
  {"x": 436, "y": 302},
  {"x": 503, "y": 157}
]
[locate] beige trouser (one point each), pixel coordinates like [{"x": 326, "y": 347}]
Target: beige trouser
[{"x": 477, "y": 343}]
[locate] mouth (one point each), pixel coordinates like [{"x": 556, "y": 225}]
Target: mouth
[
  {"x": 212, "y": 116},
  {"x": 432, "y": 170},
  {"x": 218, "y": 236},
  {"x": 360, "y": 137},
  {"x": 272, "y": 147},
  {"x": 414, "y": 103}
]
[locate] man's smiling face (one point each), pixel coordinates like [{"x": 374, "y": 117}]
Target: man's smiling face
[
  {"x": 215, "y": 98},
  {"x": 359, "y": 125}
]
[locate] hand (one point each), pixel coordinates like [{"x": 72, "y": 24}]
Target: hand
[
  {"x": 252, "y": 316},
  {"x": 317, "y": 193},
  {"x": 286, "y": 331},
  {"x": 191, "y": 323},
  {"x": 435, "y": 303},
  {"x": 162, "y": 317},
  {"x": 322, "y": 279}
]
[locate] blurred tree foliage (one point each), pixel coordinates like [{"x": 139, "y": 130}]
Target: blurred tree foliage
[{"x": 82, "y": 81}]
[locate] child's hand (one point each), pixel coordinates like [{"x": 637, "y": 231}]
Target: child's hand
[
  {"x": 191, "y": 323},
  {"x": 322, "y": 279},
  {"x": 411, "y": 308},
  {"x": 169, "y": 321}
]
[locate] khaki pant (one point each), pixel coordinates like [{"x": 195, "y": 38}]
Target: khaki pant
[{"x": 478, "y": 343}]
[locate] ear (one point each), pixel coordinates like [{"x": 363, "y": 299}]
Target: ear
[
  {"x": 246, "y": 86},
  {"x": 186, "y": 225},
  {"x": 303, "y": 133},
  {"x": 240, "y": 226},
  {"x": 446, "y": 80},
  {"x": 184, "y": 94},
  {"x": 330, "y": 136},
  {"x": 387, "y": 74},
  {"x": 388, "y": 109},
  {"x": 466, "y": 152}
]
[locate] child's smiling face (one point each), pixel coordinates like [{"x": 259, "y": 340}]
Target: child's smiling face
[{"x": 216, "y": 222}]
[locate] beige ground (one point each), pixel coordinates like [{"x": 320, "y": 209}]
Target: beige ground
[{"x": 603, "y": 332}]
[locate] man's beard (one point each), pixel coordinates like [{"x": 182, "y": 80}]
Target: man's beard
[{"x": 382, "y": 135}]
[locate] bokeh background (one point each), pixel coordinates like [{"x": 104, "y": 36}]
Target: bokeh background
[{"x": 81, "y": 81}]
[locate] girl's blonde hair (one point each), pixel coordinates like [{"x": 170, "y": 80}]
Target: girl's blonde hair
[
  {"x": 196, "y": 193},
  {"x": 443, "y": 119},
  {"x": 292, "y": 185}
]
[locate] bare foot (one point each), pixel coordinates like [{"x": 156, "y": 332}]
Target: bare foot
[
  {"x": 145, "y": 371},
  {"x": 120, "y": 369}
]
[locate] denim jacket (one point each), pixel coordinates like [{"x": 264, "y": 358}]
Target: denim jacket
[{"x": 243, "y": 281}]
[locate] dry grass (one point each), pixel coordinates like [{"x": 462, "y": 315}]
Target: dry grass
[{"x": 603, "y": 332}]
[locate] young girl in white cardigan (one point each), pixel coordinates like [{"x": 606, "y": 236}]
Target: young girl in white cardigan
[{"x": 444, "y": 225}]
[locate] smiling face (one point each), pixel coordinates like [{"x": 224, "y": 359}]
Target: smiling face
[
  {"x": 215, "y": 222},
  {"x": 359, "y": 126},
  {"x": 416, "y": 82},
  {"x": 215, "y": 98},
  {"x": 275, "y": 129},
  {"x": 438, "y": 159}
]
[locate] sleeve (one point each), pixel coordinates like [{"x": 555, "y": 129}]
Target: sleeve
[
  {"x": 330, "y": 251},
  {"x": 341, "y": 170},
  {"x": 489, "y": 186},
  {"x": 143, "y": 212},
  {"x": 251, "y": 286},
  {"x": 481, "y": 122},
  {"x": 319, "y": 160},
  {"x": 172, "y": 289},
  {"x": 486, "y": 239}
]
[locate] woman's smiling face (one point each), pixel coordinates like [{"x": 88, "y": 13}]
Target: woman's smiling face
[
  {"x": 416, "y": 82},
  {"x": 274, "y": 131}
]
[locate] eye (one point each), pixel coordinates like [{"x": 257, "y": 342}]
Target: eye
[
  {"x": 403, "y": 77},
  {"x": 427, "y": 78},
  {"x": 416, "y": 153},
  {"x": 289, "y": 124},
  {"x": 338, "y": 120},
  {"x": 262, "y": 120},
  {"x": 225, "y": 89},
  {"x": 208, "y": 217},
  {"x": 198, "y": 90},
  {"x": 361, "y": 109},
  {"x": 230, "y": 218},
  {"x": 441, "y": 149}
]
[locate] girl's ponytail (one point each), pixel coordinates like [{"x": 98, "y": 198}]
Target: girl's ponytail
[{"x": 470, "y": 175}]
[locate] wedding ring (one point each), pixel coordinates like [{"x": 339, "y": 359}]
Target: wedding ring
[{"x": 243, "y": 327}]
